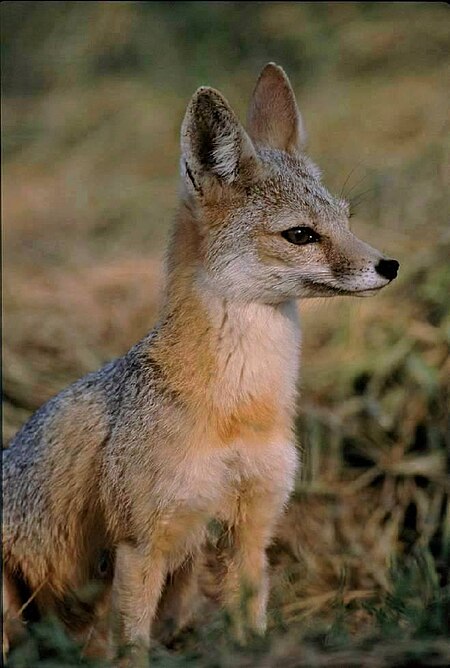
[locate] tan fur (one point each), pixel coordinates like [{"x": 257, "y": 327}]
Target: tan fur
[{"x": 126, "y": 467}]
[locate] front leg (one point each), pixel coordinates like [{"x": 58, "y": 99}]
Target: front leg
[
  {"x": 139, "y": 579},
  {"x": 245, "y": 585},
  {"x": 179, "y": 598}
]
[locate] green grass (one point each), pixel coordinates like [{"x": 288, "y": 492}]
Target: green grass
[{"x": 409, "y": 627}]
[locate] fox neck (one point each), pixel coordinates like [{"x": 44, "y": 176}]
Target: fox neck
[{"x": 236, "y": 360}]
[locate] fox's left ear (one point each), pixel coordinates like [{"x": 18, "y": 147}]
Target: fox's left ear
[
  {"x": 215, "y": 148},
  {"x": 274, "y": 119}
]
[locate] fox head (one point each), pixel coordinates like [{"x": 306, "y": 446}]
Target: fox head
[{"x": 267, "y": 229}]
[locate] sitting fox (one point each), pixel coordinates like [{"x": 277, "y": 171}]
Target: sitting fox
[{"x": 109, "y": 487}]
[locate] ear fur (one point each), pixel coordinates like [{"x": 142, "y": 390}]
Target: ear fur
[
  {"x": 213, "y": 142},
  {"x": 274, "y": 119}
]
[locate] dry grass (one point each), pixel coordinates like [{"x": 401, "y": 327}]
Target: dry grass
[{"x": 89, "y": 186}]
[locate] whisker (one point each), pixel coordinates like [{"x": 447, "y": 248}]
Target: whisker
[
  {"x": 355, "y": 185},
  {"x": 341, "y": 194},
  {"x": 361, "y": 194},
  {"x": 360, "y": 197}
]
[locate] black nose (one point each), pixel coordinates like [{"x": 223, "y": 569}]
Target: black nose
[{"x": 387, "y": 268}]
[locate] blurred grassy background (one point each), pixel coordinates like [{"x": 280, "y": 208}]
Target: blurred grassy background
[{"x": 93, "y": 98}]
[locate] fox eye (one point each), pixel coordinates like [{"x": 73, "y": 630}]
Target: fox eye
[{"x": 300, "y": 235}]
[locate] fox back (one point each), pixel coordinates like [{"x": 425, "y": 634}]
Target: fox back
[{"x": 115, "y": 479}]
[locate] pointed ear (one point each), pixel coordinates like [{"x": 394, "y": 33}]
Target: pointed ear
[
  {"x": 274, "y": 119},
  {"x": 214, "y": 143}
]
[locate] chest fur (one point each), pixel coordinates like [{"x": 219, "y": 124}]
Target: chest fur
[
  {"x": 240, "y": 427},
  {"x": 256, "y": 352},
  {"x": 210, "y": 481}
]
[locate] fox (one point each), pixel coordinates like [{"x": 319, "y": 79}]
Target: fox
[{"x": 110, "y": 486}]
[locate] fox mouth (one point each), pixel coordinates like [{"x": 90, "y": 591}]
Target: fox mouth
[{"x": 325, "y": 290}]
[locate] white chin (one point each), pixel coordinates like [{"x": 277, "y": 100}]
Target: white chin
[
  {"x": 368, "y": 292},
  {"x": 325, "y": 290}
]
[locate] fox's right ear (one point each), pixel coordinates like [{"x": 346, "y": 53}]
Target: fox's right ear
[
  {"x": 274, "y": 119},
  {"x": 214, "y": 145}
]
